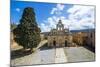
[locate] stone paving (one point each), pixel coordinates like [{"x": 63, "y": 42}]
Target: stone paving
[
  {"x": 39, "y": 57},
  {"x": 79, "y": 54},
  {"x": 58, "y": 55},
  {"x": 33, "y": 58},
  {"x": 47, "y": 56}
]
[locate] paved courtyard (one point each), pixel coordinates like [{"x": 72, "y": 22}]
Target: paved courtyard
[
  {"x": 60, "y": 56},
  {"x": 55, "y": 55},
  {"x": 79, "y": 54}
]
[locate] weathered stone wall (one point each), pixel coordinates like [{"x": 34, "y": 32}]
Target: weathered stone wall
[{"x": 60, "y": 40}]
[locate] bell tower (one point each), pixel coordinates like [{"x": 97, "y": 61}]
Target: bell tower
[{"x": 60, "y": 26}]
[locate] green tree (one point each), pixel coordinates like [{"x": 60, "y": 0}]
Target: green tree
[{"x": 27, "y": 33}]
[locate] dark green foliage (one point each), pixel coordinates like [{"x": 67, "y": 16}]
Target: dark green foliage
[{"x": 27, "y": 33}]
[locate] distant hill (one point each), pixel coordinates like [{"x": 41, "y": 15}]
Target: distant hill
[{"x": 84, "y": 30}]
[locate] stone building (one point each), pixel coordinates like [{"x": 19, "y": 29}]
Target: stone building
[
  {"x": 78, "y": 38},
  {"x": 59, "y": 36},
  {"x": 85, "y": 38},
  {"x": 89, "y": 39}
]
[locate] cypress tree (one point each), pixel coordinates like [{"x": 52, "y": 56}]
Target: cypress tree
[{"x": 27, "y": 33}]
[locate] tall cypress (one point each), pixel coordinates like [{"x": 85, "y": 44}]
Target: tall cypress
[{"x": 27, "y": 33}]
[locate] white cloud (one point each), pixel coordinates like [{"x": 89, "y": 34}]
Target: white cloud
[
  {"x": 81, "y": 12},
  {"x": 53, "y": 10},
  {"x": 60, "y": 6},
  {"x": 48, "y": 24},
  {"x": 80, "y": 17},
  {"x": 18, "y": 9},
  {"x": 44, "y": 27},
  {"x": 57, "y": 9}
]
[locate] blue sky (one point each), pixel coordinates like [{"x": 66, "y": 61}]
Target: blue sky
[
  {"x": 41, "y": 10},
  {"x": 74, "y": 17}
]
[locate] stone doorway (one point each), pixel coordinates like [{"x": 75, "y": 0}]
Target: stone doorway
[
  {"x": 66, "y": 43},
  {"x": 54, "y": 43}
]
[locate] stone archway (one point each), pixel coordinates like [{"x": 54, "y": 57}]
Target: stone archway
[
  {"x": 66, "y": 43},
  {"x": 54, "y": 43}
]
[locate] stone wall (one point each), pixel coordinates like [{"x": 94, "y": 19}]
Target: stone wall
[{"x": 60, "y": 40}]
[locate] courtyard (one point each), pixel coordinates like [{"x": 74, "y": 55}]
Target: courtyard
[
  {"x": 55, "y": 55},
  {"x": 59, "y": 34}
]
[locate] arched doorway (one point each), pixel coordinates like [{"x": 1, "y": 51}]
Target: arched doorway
[
  {"x": 66, "y": 43},
  {"x": 54, "y": 43}
]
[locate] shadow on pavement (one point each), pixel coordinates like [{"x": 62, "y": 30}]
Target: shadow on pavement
[
  {"x": 19, "y": 53},
  {"x": 90, "y": 48},
  {"x": 45, "y": 47}
]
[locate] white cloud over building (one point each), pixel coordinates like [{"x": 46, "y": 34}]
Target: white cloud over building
[{"x": 76, "y": 17}]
